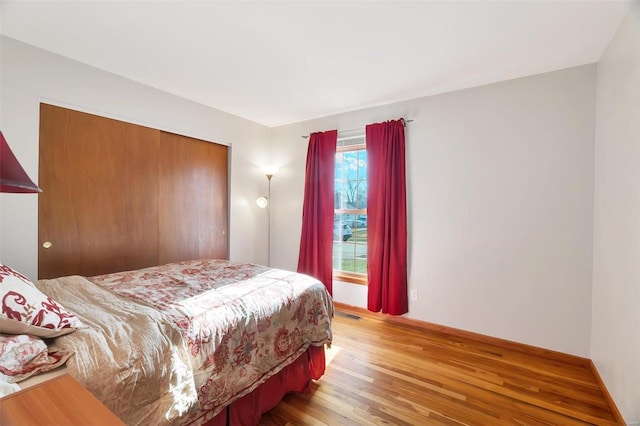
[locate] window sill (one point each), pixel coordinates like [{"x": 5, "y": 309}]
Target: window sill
[{"x": 350, "y": 278}]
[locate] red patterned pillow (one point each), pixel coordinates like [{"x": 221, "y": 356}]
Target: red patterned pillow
[
  {"x": 26, "y": 310},
  {"x": 23, "y": 356}
]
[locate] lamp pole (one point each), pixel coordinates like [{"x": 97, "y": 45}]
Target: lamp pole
[{"x": 269, "y": 176}]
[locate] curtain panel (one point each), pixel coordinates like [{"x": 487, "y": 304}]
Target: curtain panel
[
  {"x": 387, "y": 211},
  {"x": 316, "y": 243}
]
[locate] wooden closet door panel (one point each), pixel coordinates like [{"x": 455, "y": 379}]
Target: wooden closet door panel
[
  {"x": 193, "y": 199},
  {"x": 99, "y": 202}
]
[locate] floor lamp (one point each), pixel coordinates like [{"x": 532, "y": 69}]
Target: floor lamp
[{"x": 265, "y": 202}]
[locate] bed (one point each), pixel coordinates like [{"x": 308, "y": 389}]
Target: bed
[{"x": 197, "y": 342}]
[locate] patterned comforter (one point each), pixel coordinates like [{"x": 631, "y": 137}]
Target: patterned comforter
[{"x": 240, "y": 323}]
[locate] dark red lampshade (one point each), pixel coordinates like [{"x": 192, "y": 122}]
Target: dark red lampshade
[{"x": 13, "y": 178}]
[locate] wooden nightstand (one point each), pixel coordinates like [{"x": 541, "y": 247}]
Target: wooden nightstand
[{"x": 59, "y": 401}]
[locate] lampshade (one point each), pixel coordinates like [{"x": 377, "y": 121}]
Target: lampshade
[
  {"x": 13, "y": 178},
  {"x": 262, "y": 202}
]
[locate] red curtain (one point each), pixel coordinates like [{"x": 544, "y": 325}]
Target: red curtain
[
  {"x": 387, "y": 211},
  {"x": 316, "y": 244}
]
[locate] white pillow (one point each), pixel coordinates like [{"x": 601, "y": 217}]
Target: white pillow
[{"x": 26, "y": 310}]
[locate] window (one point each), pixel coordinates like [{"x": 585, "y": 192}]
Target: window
[{"x": 350, "y": 211}]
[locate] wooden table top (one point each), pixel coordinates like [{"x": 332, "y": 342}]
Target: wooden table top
[{"x": 61, "y": 401}]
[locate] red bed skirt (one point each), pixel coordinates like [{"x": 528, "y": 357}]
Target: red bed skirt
[{"x": 295, "y": 377}]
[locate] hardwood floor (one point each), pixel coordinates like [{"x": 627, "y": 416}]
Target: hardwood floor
[{"x": 384, "y": 372}]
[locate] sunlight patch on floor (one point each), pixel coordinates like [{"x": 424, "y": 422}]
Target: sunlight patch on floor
[{"x": 330, "y": 353}]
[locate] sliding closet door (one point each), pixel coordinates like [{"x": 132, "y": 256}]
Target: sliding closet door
[
  {"x": 193, "y": 199},
  {"x": 118, "y": 196},
  {"x": 98, "y": 206}
]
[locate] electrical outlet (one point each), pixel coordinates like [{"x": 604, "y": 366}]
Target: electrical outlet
[
  {"x": 633, "y": 424},
  {"x": 414, "y": 294}
]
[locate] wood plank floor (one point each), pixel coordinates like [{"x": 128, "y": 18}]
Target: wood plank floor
[{"x": 383, "y": 372}]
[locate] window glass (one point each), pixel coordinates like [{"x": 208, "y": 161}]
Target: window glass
[{"x": 350, "y": 214}]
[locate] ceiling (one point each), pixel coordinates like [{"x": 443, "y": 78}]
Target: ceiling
[{"x": 277, "y": 62}]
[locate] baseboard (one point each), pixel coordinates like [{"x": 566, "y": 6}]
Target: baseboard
[
  {"x": 507, "y": 344},
  {"x": 607, "y": 395}
]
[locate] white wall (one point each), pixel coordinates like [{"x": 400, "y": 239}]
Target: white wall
[
  {"x": 30, "y": 76},
  {"x": 615, "y": 335},
  {"x": 500, "y": 197},
  {"x": 500, "y": 188}
]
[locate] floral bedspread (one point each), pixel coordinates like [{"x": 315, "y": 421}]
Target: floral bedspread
[
  {"x": 130, "y": 356},
  {"x": 243, "y": 323}
]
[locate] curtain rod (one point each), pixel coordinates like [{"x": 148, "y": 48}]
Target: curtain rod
[{"x": 351, "y": 130}]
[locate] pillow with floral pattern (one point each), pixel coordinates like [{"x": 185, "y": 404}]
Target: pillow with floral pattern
[
  {"x": 22, "y": 356},
  {"x": 24, "y": 309}
]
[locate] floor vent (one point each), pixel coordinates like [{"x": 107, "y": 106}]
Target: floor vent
[{"x": 346, "y": 315}]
